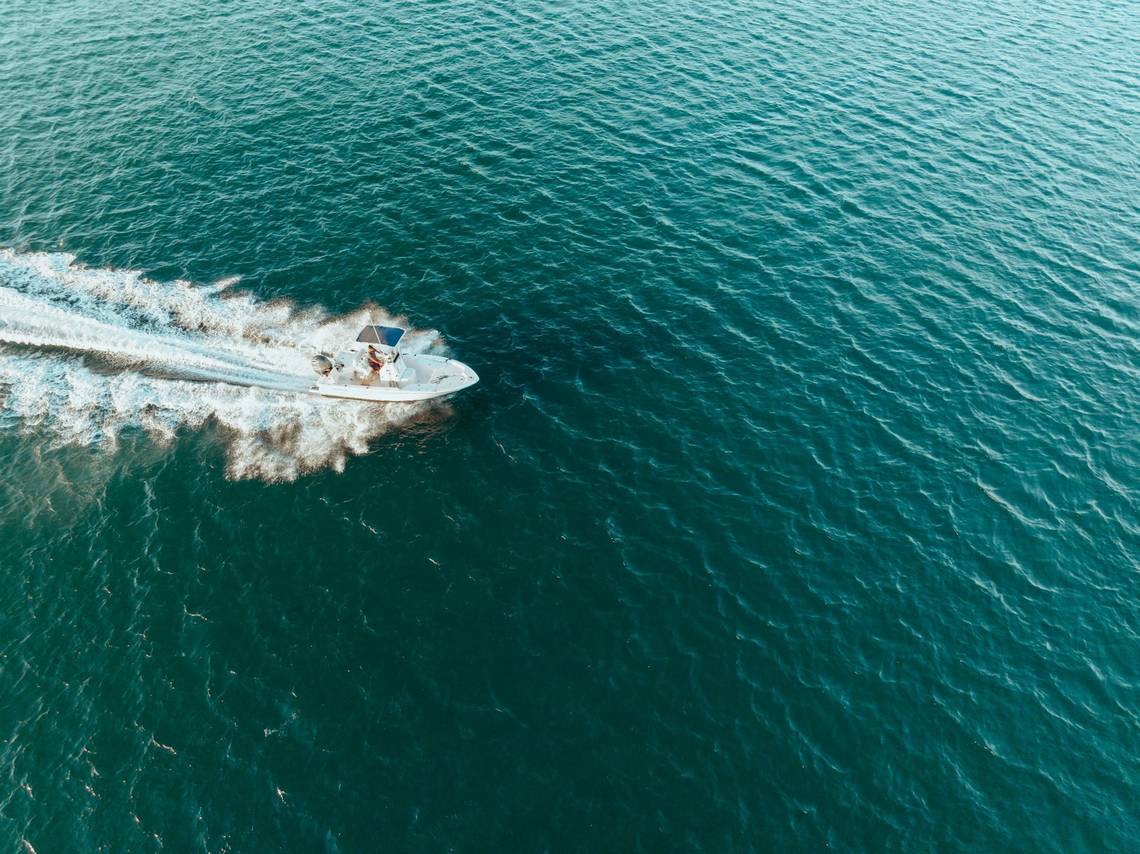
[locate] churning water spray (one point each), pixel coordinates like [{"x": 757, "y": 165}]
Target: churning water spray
[{"x": 86, "y": 353}]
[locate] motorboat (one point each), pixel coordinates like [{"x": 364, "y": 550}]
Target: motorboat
[{"x": 374, "y": 368}]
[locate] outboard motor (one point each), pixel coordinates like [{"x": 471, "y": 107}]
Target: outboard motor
[{"x": 322, "y": 364}]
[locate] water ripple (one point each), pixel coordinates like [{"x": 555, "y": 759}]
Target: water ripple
[{"x": 797, "y": 507}]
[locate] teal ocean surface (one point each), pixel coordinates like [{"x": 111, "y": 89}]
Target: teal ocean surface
[{"x": 796, "y": 508}]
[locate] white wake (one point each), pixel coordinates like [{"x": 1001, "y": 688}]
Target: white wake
[{"x": 87, "y": 353}]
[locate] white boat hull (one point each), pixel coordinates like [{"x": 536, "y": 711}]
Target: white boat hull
[{"x": 430, "y": 377}]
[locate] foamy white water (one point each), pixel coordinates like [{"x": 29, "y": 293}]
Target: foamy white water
[{"x": 88, "y": 353}]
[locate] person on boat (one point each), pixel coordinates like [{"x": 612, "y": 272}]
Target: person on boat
[{"x": 374, "y": 361}]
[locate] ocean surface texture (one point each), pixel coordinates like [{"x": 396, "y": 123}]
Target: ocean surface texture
[{"x": 797, "y": 507}]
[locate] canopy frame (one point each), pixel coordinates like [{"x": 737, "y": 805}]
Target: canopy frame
[{"x": 382, "y": 336}]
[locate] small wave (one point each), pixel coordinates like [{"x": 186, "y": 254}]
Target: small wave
[{"x": 87, "y": 353}]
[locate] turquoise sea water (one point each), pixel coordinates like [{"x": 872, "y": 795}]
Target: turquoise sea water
[{"x": 796, "y": 508}]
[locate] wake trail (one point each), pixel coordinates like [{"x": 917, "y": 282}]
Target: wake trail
[
  {"x": 86, "y": 353},
  {"x": 28, "y": 322}
]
